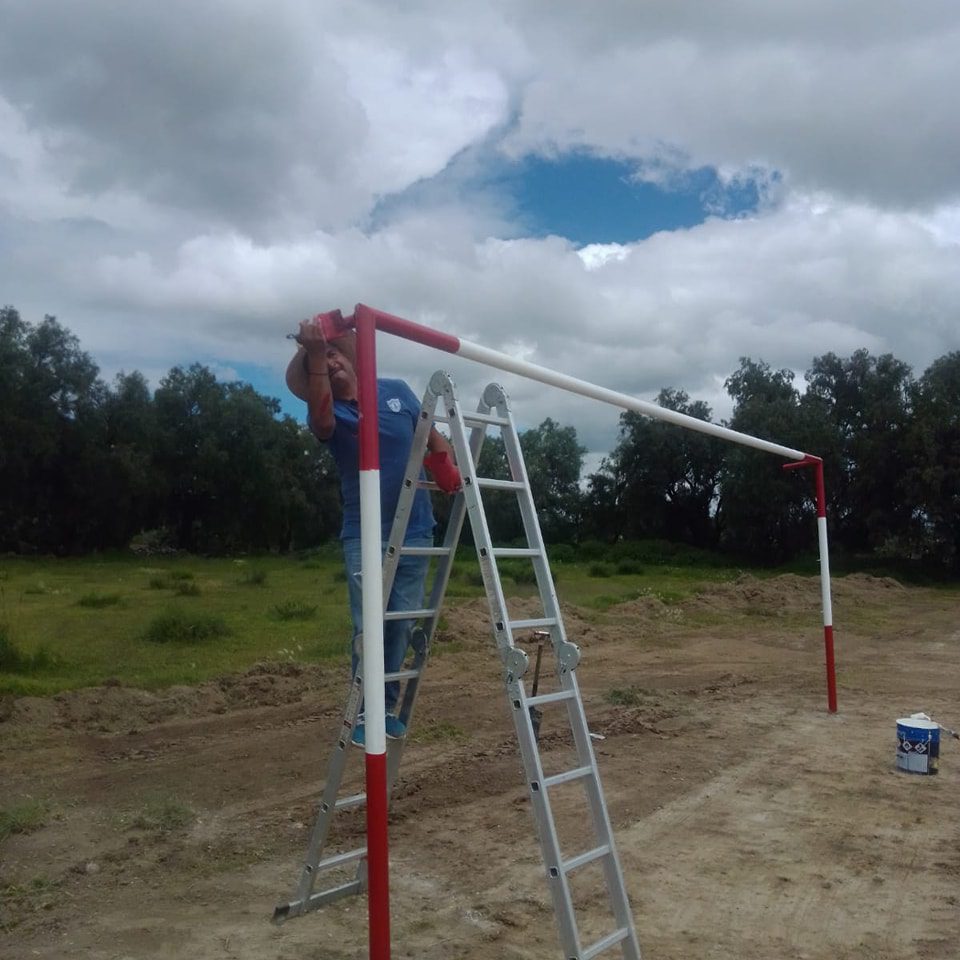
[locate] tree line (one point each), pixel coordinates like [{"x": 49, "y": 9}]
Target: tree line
[{"x": 214, "y": 467}]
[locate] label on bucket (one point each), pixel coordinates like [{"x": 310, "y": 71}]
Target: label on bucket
[{"x": 918, "y": 745}]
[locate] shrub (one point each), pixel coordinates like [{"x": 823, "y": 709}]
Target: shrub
[
  {"x": 294, "y": 610},
  {"x": 593, "y": 550},
  {"x": 186, "y": 588},
  {"x": 600, "y": 570},
  {"x": 179, "y": 627},
  {"x": 158, "y": 583},
  {"x": 98, "y": 600},
  {"x": 162, "y": 812},
  {"x": 473, "y": 578},
  {"x": 254, "y": 578},
  {"x": 562, "y": 553},
  {"x": 22, "y": 818},
  {"x": 180, "y": 575},
  {"x": 14, "y": 660},
  {"x": 632, "y": 567}
]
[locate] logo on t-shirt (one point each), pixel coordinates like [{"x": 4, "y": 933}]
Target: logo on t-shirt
[{"x": 394, "y": 404}]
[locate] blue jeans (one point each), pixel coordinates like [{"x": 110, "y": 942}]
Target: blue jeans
[{"x": 407, "y": 594}]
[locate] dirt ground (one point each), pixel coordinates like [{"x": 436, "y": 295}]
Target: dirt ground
[{"x": 750, "y": 822}]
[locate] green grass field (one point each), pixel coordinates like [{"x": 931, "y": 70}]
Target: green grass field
[{"x": 151, "y": 623}]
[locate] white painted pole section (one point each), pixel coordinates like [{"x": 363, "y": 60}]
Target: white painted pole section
[
  {"x": 502, "y": 361},
  {"x": 371, "y": 561},
  {"x": 824, "y": 572}
]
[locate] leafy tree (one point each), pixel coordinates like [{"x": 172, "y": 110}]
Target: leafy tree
[
  {"x": 50, "y": 421},
  {"x": 554, "y": 459},
  {"x": 933, "y": 474},
  {"x": 664, "y": 478},
  {"x": 867, "y": 400},
  {"x": 766, "y": 512}
]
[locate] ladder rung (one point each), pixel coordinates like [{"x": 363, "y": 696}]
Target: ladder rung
[
  {"x": 492, "y": 484},
  {"x": 533, "y": 624},
  {"x": 427, "y": 485},
  {"x": 340, "y": 859},
  {"x": 550, "y": 697},
  {"x": 605, "y": 944},
  {"x": 585, "y": 858},
  {"x": 329, "y": 896},
  {"x": 578, "y": 773},
  {"x": 516, "y": 552},
  {"x": 400, "y": 675},
  {"x": 424, "y": 551},
  {"x": 348, "y": 803},
  {"x": 408, "y": 614},
  {"x": 490, "y": 418}
]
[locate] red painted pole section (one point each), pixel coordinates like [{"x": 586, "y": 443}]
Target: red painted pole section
[
  {"x": 378, "y": 867},
  {"x": 817, "y": 464},
  {"x": 378, "y": 863},
  {"x": 407, "y": 329},
  {"x": 367, "y": 392},
  {"x": 828, "y": 610}
]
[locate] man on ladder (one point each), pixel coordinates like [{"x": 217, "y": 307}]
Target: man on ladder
[
  {"x": 323, "y": 373},
  {"x": 467, "y": 433}
]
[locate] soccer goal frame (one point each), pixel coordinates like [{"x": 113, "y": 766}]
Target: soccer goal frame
[{"x": 368, "y": 321}]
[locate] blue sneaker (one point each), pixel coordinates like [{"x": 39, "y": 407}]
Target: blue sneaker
[
  {"x": 359, "y": 738},
  {"x": 396, "y": 729}
]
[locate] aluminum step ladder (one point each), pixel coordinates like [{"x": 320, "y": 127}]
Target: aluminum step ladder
[{"x": 467, "y": 434}]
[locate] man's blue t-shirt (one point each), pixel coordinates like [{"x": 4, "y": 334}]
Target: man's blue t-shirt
[{"x": 398, "y": 411}]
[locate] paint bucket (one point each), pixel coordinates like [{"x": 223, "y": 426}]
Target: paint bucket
[{"x": 918, "y": 744}]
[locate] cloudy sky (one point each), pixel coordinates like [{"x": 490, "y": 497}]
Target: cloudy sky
[{"x": 635, "y": 193}]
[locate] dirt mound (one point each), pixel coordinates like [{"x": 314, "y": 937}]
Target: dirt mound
[
  {"x": 787, "y": 593},
  {"x": 116, "y": 707},
  {"x": 647, "y": 607},
  {"x": 865, "y": 585},
  {"x": 776, "y": 596},
  {"x": 468, "y": 621}
]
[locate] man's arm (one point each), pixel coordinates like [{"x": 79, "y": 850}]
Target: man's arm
[
  {"x": 320, "y": 417},
  {"x": 441, "y": 463},
  {"x": 438, "y": 443}
]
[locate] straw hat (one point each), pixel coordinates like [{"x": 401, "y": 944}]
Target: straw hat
[{"x": 297, "y": 375}]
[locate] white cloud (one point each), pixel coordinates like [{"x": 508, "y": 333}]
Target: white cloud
[{"x": 188, "y": 181}]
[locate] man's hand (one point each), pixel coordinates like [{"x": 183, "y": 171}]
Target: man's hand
[
  {"x": 311, "y": 338},
  {"x": 444, "y": 471}
]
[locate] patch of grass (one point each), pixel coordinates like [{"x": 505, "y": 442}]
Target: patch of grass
[
  {"x": 158, "y": 583},
  {"x": 187, "y": 588},
  {"x": 671, "y": 598},
  {"x": 340, "y": 575},
  {"x": 627, "y": 696},
  {"x": 75, "y": 650},
  {"x": 294, "y": 610},
  {"x": 162, "y": 813},
  {"x": 175, "y": 626},
  {"x": 438, "y": 732},
  {"x": 180, "y": 575},
  {"x": 14, "y": 660},
  {"x": 38, "y": 589},
  {"x": 605, "y": 601},
  {"x": 443, "y": 649},
  {"x": 23, "y": 817},
  {"x": 33, "y": 897},
  {"x": 630, "y": 568},
  {"x": 96, "y": 601},
  {"x": 254, "y": 578},
  {"x": 600, "y": 570}
]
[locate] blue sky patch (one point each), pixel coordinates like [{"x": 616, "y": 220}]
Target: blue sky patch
[{"x": 580, "y": 196}]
